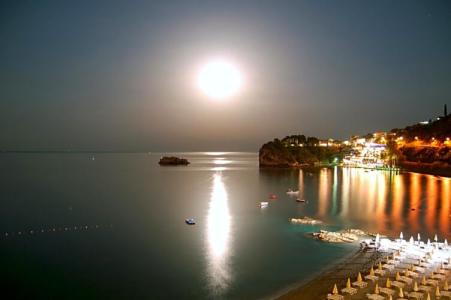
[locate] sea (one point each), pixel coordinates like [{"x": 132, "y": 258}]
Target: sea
[{"x": 112, "y": 225}]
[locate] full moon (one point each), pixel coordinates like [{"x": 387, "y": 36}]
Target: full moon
[{"x": 220, "y": 79}]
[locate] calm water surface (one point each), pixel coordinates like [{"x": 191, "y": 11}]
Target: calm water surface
[{"x": 113, "y": 227}]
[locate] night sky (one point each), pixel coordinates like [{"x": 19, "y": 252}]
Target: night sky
[{"x": 121, "y": 75}]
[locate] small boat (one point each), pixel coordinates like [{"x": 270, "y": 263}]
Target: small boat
[
  {"x": 190, "y": 221},
  {"x": 272, "y": 196},
  {"x": 291, "y": 192},
  {"x": 300, "y": 200},
  {"x": 264, "y": 204}
]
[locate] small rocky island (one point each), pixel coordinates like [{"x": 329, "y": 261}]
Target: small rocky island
[{"x": 173, "y": 161}]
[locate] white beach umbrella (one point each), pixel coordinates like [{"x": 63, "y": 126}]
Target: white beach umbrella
[
  {"x": 418, "y": 237},
  {"x": 411, "y": 240},
  {"x": 335, "y": 290},
  {"x": 435, "y": 238},
  {"x": 401, "y": 236}
]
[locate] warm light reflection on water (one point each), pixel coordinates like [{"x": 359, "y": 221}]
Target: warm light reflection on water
[
  {"x": 323, "y": 191},
  {"x": 385, "y": 202},
  {"x": 218, "y": 236},
  {"x": 398, "y": 203},
  {"x": 431, "y": 196},
  {"x": 415, "y": 199},
  {"x": 445, "y": 210}
]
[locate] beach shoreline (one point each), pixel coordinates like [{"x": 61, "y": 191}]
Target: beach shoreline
[{"x": 318, "y": 286}]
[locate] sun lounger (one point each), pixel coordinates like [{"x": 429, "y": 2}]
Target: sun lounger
[
  {"x": 433, "y": 282},
  {"x": 360, "y": 285},
  {"x": 412, "y": 274},
  {"x": 350, "y": 291},
  {"x": 335, "y": 297},
  {"x": 374, "y": 297},
  {"x": 416, "y": 295},
  {"x": 387, "y": 291},
  {"x": 406, "y": 279},
  {"x": 398, "y": 284},
  {"x": 372, "y": 277},
  {"x": 438, "y": 276},
  {"x": 445, "y": 294},
  {"x": 426, "y": 288}
]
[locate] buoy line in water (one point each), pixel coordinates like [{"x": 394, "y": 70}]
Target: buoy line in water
[{"x": 59, "y": 229}]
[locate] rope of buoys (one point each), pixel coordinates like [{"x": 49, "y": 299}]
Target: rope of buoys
[{"x": 36, "y": 232}]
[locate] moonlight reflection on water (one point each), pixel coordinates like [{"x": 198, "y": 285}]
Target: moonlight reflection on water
[{"x": 218, "y": 236}]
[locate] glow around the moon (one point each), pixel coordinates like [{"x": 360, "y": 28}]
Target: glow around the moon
[{"x": 220, "y": 79}]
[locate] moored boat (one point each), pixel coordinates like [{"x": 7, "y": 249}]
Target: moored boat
[
  {"x": 190, "y": 221},
  {"x": 291, "y": 192}
]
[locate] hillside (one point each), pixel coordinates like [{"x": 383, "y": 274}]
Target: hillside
[
  {"x": 425, "y": 147},
  {"x": 284, "y": 153}
]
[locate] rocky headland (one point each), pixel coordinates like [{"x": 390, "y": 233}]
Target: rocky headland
[
  {"x": 284, "y": 154},
  {"x": 342, "y": 236}
]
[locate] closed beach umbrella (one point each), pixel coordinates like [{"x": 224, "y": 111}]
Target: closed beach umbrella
[
  {"x": 445, "y": 287},
  {"x": 428, "y": 297},
  {"x": 411, "y": 240},
  {"x": 446, "y": 242},
  {"x": 348, "y": 283},
  {"x": 388, "y": 283},
  {"x": 401, "y": 236},
  {"x": 415, "y": 286},
  {"x": 418, "y": 237},
  {"x": 359, "y": 277},
  {"x": 423, "y": 280},
  {"x": 335, "y": 290},
  {"x": 429, "y": 242},
  {"x": 397, "y": 276},
  {"x": 376, "y": 289},
  {"x": 372, "y": 271},
  {"x": 380, "y": 266},
  {"x": 437, "y": 292},
  {"x": 390, "y": 297},
  {"x": 401, "y": 293},
  {"x": 435, "y": 238}
]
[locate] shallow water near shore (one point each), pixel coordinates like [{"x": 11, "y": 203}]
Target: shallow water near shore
[{"x": 112, "y": 225}]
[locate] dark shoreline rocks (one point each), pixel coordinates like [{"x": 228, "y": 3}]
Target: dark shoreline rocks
[
  {"x": 342, "y": 236},
  {"x": 173, "y": 161}
]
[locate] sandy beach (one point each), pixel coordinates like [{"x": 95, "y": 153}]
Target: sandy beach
[
  {"x": 425, "y": 269},
  {"x": 317, "y": 288}
]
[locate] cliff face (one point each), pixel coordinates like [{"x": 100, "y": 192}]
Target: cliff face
[{"x": 276, "y": 154}]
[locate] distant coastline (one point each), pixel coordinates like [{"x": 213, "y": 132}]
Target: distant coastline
[{"x": 423, "y": 148}]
